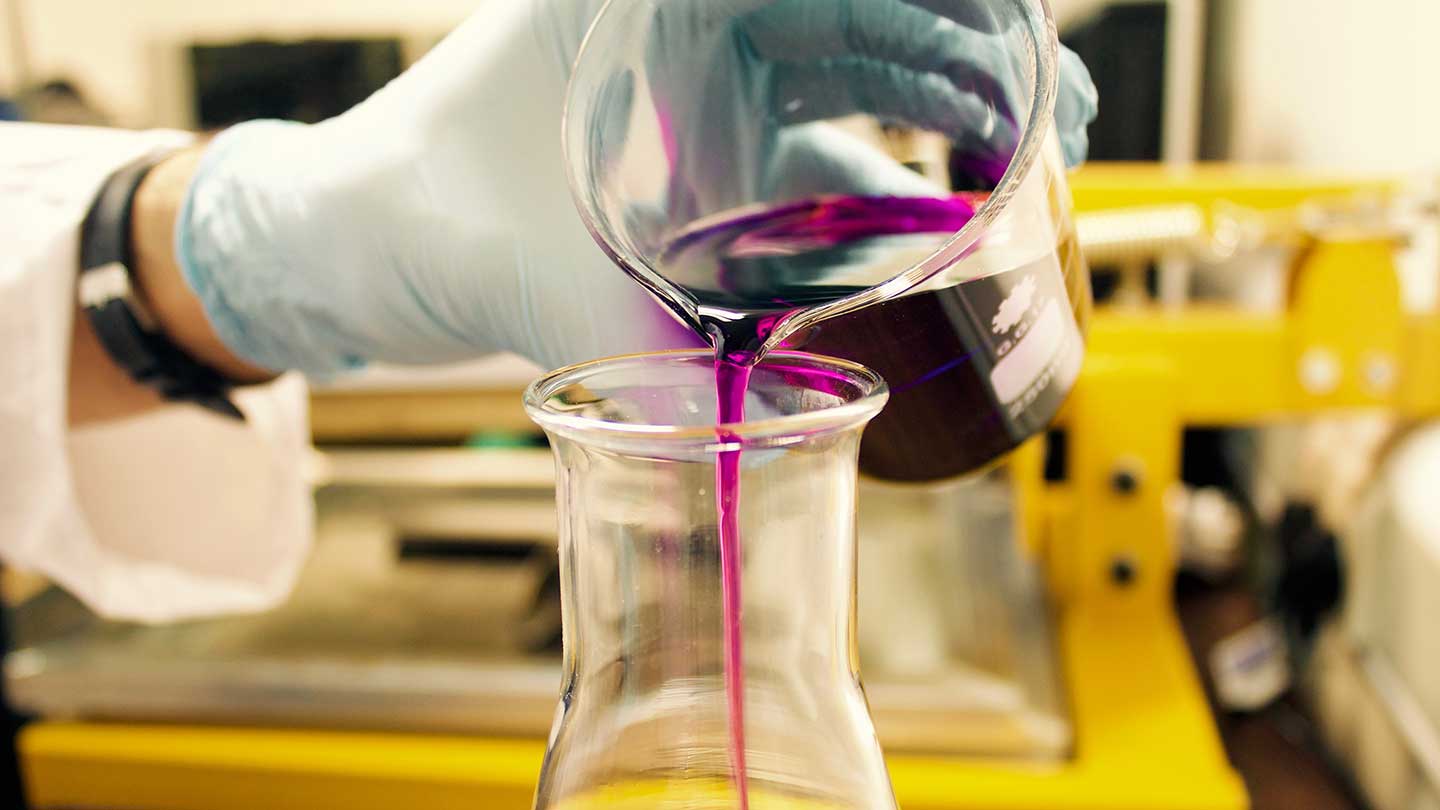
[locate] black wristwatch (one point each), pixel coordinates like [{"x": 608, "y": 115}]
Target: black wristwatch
[{"x": 126, "y": 329}]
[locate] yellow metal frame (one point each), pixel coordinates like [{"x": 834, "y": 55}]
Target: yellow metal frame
[
  {"x": 1144, "y": 738},
  {"x": 1104, "y": 186}
]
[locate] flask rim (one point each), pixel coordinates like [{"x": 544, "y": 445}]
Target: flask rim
[{"x": 866, "y": 393}]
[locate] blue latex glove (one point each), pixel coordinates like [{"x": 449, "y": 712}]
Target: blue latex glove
[
  {"x": 735, "y": 84},
  {"x": 433, "y": 222},
  {"x": 741, "y": 89}
]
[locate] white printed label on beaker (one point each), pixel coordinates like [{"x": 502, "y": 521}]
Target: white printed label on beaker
[{"x": 1031, "y": 355}]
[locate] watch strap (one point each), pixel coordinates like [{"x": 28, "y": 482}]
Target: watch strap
[{"x": 124, "y": 326}]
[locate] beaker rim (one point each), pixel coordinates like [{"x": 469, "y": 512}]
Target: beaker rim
[{"x": 866, "y": 395}]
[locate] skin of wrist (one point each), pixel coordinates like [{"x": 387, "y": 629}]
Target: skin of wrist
[{"x": 157, "y": 276}]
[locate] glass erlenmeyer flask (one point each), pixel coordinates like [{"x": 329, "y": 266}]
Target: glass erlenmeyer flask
[
  {"x": 728, "y": 155},
  {"x": 645, "y": 717}
]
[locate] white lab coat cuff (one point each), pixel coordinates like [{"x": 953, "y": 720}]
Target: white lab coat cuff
[{"x": 175, "y": 514}]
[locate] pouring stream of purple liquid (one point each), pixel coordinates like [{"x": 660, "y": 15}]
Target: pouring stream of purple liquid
[{"x": 815, "y": 226}]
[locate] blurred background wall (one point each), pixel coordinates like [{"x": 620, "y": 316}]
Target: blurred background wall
[
  {"x": 131, "y": 58},
  {"x": 1329, "y": 83},
  {"x": 1343, "y": 83}
]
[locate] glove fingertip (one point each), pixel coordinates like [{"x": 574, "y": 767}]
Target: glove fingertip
[
  {"x": 1077, "y": 82},
  {"x": 1075, "y": 146}
]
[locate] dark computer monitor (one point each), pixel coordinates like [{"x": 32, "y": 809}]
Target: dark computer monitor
[{"x": 300, "y": 81}]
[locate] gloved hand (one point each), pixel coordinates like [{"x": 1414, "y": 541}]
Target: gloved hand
[
  {"x": 433, "y": 221},
  {"x": 729, "y": 78}
]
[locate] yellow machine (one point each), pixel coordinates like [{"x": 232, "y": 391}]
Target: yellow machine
[{"x": 1143, "y": 736}]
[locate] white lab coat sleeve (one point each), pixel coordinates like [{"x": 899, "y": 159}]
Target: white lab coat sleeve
[{"x": 174, "y": 514}]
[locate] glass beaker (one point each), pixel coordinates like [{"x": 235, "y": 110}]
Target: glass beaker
[
  {"x": 646, "y": 717},
  {"x": 731, "y": 156}
]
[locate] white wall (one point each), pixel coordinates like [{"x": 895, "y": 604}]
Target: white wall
[
  {"x": 1345, "y": 84},
  {"x": 122, "y": 51},
  {"x": 1071, "y": 11},
  {"x": 7, "y": 55}
]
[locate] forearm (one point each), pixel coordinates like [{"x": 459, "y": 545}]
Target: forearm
[{"x": 99, "y": 388}]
